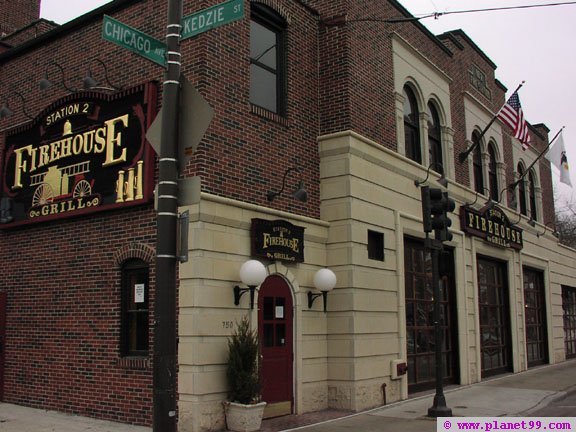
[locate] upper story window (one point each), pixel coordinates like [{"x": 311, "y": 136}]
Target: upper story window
[
  {"x": 267, "y": 59},
  {"x": 477, "y": 164},
  {"x": 492, "y": 173},
  {"x": 435, "y": 139},
  {"x": 532, "y": 196},
  {"x": 522, "y": 192},
  {"x": 135, "y": 297},
  {"x": 411, "y": 126}
]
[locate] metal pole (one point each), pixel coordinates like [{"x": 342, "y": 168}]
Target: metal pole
[
  {"x": 165, "y": 338},
  {"x": 438, "y": 408}
]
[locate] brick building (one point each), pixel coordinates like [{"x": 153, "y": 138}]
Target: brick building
[{"x": 304, "y": 93}]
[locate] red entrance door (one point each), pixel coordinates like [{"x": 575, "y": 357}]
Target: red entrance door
[
  {"x": 275, "y": 331},
  {"x": 2, "y": 341}
]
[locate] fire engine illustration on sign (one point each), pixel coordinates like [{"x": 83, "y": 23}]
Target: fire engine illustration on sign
[{"x": 61, "y": 183}]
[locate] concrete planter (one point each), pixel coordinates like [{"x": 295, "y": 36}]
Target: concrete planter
[{"x": 244, "y": 418}]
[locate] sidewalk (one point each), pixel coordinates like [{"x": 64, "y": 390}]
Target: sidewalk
[{"x": 509, "y": 395}]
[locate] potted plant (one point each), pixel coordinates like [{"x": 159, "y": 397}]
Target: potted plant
[{"x": 244, "y": 411}]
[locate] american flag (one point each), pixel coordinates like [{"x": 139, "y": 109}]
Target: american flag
[{"x": 511, "y": 114}]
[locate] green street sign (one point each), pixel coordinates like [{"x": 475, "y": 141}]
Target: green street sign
[
  {"x": 211, "y": 17},
  {"x": 133, "y": 40}
]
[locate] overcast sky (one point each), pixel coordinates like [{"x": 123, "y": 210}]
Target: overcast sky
[{"x": 533, "y": 44}]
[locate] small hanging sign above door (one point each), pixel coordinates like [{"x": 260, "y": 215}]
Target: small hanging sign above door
[{"x": 277, "y": 240}]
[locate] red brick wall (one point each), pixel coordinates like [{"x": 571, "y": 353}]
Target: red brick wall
[
  {"x": 29, "y": 32},
  {"x": 245, "y": 154},
  {"x": 63, "y": 278},
  {"x": 15, "y": 14},
  {"x": 63, "y": 314}
]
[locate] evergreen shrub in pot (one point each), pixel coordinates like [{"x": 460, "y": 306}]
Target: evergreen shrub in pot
[{"x": 244, "y": 410}]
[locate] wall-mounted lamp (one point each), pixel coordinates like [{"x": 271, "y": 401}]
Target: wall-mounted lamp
[
  {"x": 538, "y": 234},
  {"x": 6, "y": 112},
  {"x": 547, "y": 226},
  {"x": 252, "y": 274},
  {"x": 45, "y": 83},
  {"x": 299, "y": 193},
  {"x": 442, "y": 180},
  {"x": 518, "y": 221},
  {"x": 90, "y": 83},
  {"x": 324, "y": 281}
]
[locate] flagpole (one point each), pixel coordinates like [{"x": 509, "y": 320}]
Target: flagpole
[
  {"x": 464, "y": 155},
  {"x": 511, "y": 186}
]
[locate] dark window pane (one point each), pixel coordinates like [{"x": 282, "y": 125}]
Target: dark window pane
[
  {"x": 267, "y": 59},
  {"x": 477, "y": 164},
  {"x": 411, "y": 126},
  {"x": 263, "y": 88},
  {"x": 492, "y": 174},
  {"x": 268, "y": 308},
  {"x": 263, "y": 45},
  {"x": 268, "y": 335},
  {"x": 434, "y": 139},
  {"x": 280, "y": 334},
  {"x": 375, "y": 245},
  {"x": 135, "y": 321}
]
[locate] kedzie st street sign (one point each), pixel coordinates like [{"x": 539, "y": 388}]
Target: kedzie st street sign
[{"x": 211, "y": 17}]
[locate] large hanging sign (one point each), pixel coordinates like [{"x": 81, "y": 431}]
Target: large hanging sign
[
  {"x": 86, "y": 152},
  {"x": 492, "y": 225},
  {"x": 277, "y": 240}
]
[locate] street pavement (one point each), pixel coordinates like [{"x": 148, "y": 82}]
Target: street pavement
[{"x": 526, "y": 394}]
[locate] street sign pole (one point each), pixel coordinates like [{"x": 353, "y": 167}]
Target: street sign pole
[{"x": 165, "y": 338}]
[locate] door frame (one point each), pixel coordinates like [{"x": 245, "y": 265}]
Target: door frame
[
  {"x": 508, "y": 309},
  {"x": 290, "y": 314}
]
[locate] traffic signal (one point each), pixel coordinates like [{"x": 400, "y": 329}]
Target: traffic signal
[{"x": 435, "y": 207}]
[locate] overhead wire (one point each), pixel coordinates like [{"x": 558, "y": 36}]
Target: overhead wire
[{"x": 437, "y": 15}]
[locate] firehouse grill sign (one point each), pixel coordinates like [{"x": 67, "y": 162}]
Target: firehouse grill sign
[
  {"x": 277, "y": 240},
  {"x": 86, "y": 153},
  {"x": 492, "y": 225}
]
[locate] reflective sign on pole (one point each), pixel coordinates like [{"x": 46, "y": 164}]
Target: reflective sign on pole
[{"x": 195, "y": 117}]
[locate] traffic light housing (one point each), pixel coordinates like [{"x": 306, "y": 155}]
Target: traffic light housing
[{"x": 435, "y": 207}]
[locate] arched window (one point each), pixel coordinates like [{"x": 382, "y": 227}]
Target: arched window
[
  {"x": 411, "y": 126},
  {"x": 435, "y": 139},
  {"x": 477, "y": 164},
  {"x": 522, "y": 191},
  {"x": 532, "y": 196},
  {"x": 492, "y": 173},
  {"x": 267, "y": 59},
  {"x": 135, "y": 297}
]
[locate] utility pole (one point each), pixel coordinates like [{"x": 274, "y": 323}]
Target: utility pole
[{"x": 165, "y": 338}]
